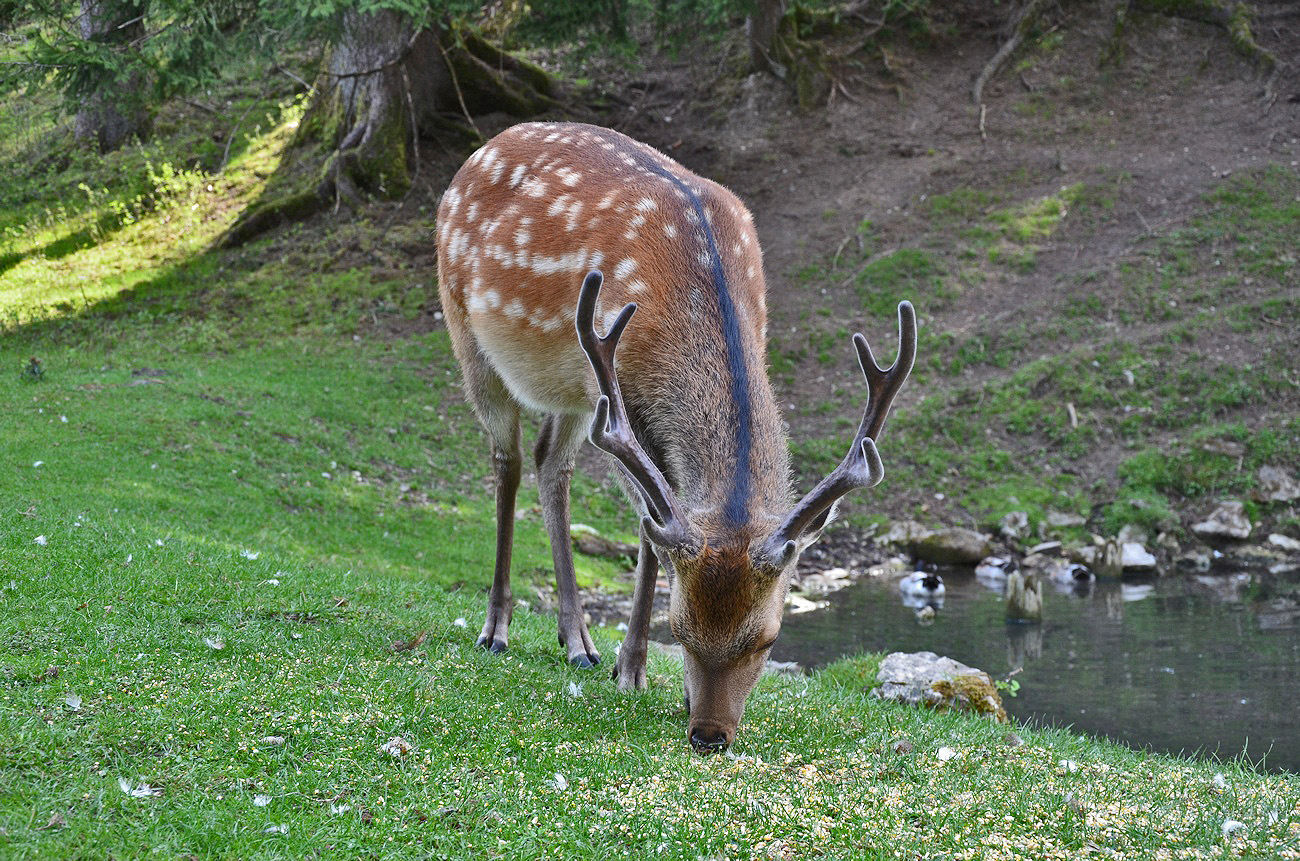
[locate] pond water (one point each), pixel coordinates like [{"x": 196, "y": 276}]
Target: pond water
[{"x": 1206, "y": 665}]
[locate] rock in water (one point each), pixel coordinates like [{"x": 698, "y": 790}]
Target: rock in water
[
  {"x": 1229, "y": 520},
  {"x": 953, "y": 546},
  {"x": 925, "y": 679},
  {"x": 1135, "y": 557}
]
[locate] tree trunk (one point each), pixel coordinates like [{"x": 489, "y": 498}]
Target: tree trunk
[
  {"x": 112, "y": 110},
  {"x": 380, "y": 75},
  {"x": 761, "y": 30},
  {"x": 387, "y": 85}
]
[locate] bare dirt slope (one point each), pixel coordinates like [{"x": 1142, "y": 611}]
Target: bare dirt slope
[
  {"x": 901, "y": 158},
  {"x": 1159, "y": 128}
]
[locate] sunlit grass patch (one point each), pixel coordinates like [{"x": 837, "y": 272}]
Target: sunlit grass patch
[{"x": 112, "y": 231}]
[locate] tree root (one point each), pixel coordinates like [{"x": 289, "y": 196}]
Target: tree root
[
  {"x": 1026, "y": 19},
  {"x": 360, "y": 136},
  {"x": 1236, "y": 18}
]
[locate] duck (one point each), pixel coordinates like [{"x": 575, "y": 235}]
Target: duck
[
  {"x": 995, "y": 568},
  {"x": 924, "y": 585},
  {"x": 1072, "y": 573}
]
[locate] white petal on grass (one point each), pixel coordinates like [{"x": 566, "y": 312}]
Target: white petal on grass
[
  {"x": 216, "y": 644},
  {"x": 276, "y": 829},
  {"x": 38, "y": 463},
  {"x": 129, "y": 557},
  {"x": 261, "y": 800},
  {"x": 1232, "y": 827},
  {"x": 272, "y": 739},
  {"x": 158, "y": 542},
  {"x": 340, "y": 808},
  {"x": 141, "y": 790},
  {"x": 41, "y": 540},
  {"x": 250, "y": 554},
  {"x": 1219, "y": 782},
  {"x": 461, "y": 623},
  {"x": 560, "y": 782},
  {"x": 270, "y": 581},
  {"x": 1069, "y": 765},
  {"x": 73, "y": 701},
  {"x": 396, "y": 747},
  {"x": 575, "y": 690},
  {"x": 945, "y": 754}
]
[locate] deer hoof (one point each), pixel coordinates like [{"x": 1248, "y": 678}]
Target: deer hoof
[
  {"x": 496, "y": 647},
  {"x": 584, "y": 661}
]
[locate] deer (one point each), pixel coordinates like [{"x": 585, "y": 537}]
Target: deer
[{"x": 555, "y": 229}]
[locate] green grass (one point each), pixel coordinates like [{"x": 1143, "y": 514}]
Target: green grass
[{"x": 239, "y": 695}]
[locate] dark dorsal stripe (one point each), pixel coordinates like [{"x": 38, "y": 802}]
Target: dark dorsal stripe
[{"x": 734, "y": 510}]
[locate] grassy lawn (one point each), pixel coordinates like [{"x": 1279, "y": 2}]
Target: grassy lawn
[
  {"x": 244, "y": 537},
  {"x": 170, "y": 696}
]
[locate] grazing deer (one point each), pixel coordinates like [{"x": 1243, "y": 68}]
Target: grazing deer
[{"x": 688, "y": 413}]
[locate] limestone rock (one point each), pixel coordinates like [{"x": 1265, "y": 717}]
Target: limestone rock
[
  {"x": 1135, "y": 557},
  {"x": 1061, "y": 519},
  {"x": 953, "y": 546},
  {"x": 904, "y": 533},
  {"x": 1229, "y": 520},
  {"x": 925, "y": 679},
  {"x": 1286, "y": 542},
  {"x": 1276, "y": 485}
]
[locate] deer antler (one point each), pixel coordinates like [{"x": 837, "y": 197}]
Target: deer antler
[
  {"x": 611, "y": 431},
  {"x": 861, "y": 467}
]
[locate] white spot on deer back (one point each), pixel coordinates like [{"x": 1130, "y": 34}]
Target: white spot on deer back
[
  {"x": 571, "y": 215},
  {"x": 670, "y": 231},
  {"x": 558, "y": 205},
  {"x": 517, "y": 175},
  {"x": 646, "y": 204},
  {"x": 625, "y": 267},
  {"x": 637, "y": 286}
]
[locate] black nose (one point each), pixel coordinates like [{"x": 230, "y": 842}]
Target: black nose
[{"x": 707, "y": 741}]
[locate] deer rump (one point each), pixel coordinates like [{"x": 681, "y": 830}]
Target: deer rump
[{"x": 674, "y": 277}]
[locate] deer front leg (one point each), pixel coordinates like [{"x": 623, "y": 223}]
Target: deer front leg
[
  {"x": 629, "y": 669},
  {"x": 507, "y": 461},
  {"x": 556, "y": 446}
]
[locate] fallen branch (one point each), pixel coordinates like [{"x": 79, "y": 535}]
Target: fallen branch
[{"x": 1018, "y": 30}]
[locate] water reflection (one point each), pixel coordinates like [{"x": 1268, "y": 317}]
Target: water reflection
[{"x": 1207, "y": 664}]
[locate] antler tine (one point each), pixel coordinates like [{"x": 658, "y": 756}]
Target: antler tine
[
  {"x": 611, "y": 431},
  {"x": 861, "y": 467}
]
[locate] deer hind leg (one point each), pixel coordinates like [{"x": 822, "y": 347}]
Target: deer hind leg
[
  {"x": 499, "y": 413},
  {"x": 629, "y": 668},
  {"x": 557, "y": 444}
]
